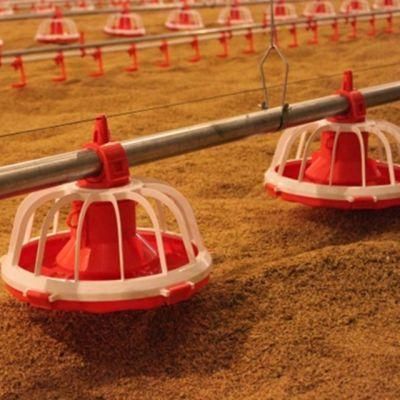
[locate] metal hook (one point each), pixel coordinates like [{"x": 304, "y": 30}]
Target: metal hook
[{"x": 273, "y": 47}]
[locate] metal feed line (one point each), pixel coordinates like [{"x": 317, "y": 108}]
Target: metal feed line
[{"x": 68, "y": 167}]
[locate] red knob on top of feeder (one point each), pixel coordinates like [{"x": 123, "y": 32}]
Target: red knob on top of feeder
[{"x": 115, "y": 167}]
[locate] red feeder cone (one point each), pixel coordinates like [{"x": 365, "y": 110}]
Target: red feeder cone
[
  {"x": 104, "y": 262},
  {"x": 342, "y": 173}
]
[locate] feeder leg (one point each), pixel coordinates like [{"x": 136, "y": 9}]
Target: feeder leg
[
  {"x": 353, "y": 33},
  {"x": 195, "y": 46},
  {"x": 335, "y": 26},
  {"x": 225, "y": 48},
  {"x": 372, "y": 23},
  {"x": 250, "y": 40},
  {"x": 135, "y": 64},
  {"x": 18, "y": 65},
  {"x": 164, "y": 48},
  {"x": 59, "y": 60},
  {"x": 98, "y": 56},
  {"x": 389, "y": 27},
  {"x": 293, "y": 32}
]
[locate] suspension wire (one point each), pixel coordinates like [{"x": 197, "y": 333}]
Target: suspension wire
[{"x": 190, "y": 101}]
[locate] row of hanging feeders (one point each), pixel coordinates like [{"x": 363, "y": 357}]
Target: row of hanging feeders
[
  {"x": 354, "y": 7},
  {"x": 125, "y": 24},
  {"x": 184, "y": 19},
  {"x": 5, "y": 8},
  {"x": 318, "y": 8},
  {"x": 102, "y": 261},
  {"x": 43, "y": 7},
  {"x": 353, "y": 168},
  {"x": 235, "y": 15},
  {"x": 57, "y": 30}
]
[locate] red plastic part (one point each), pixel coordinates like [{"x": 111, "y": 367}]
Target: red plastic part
[
  {"x": 224, "y": 40},
  {"x": 166, "y": 61},
  {"x": 115, "y": 166},
  {"x": 372, "y": 22},
  {"x": 353, "y": 31},
  {"x": 313, "y": 27},
  {"x": 18, "y": 65},
  {"x": 389, "y": 27},
  {"x": 196, "y": 48},
  {"x": 135, "y": 63},
  {"x": 335, "y": 27},
  {"x": 100, "y": 307},
  {"x": 250, "y": 42},
  {"x": 59, "y": 61},
  {"x": 293, "y": 33},
  {"x": 98, "y": 57}
]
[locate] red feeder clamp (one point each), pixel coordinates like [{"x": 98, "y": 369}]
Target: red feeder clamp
[
  {"x": 342, "y": 173},
  {"x": 103, "y": 262}
]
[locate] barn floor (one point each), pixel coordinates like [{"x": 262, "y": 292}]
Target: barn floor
[{"x": 303, "y": 303}]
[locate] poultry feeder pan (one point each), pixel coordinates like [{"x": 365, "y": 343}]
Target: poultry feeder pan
[
  {"x": 354, "y": 6},
  {"x": 386, "y": 5},
  {"x": 354, "y": 167},
  {"x": 125, "y": 24},
  {"x": 57, "y": 30},
  {"x": 5, "y": 8},
  {"x": 282, "y": 11},
  {"x": 235, "y": 15},
  {"x": 319, "y": 8},
  {"x": 184, "y": 19},
  {"x": 103, "y": 262}
]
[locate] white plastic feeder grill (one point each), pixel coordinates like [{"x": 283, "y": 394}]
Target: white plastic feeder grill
[
  {"x": 282, "y": 12},
  {"x": 318, "y": 8},
  {"x": 386, "y": 4},
  {"x": 184, "y": 19},
  {"x": 342, "y": 173},
  {"x": 57, "y": 30},
  {"x": 354, "y": 6},
  {"x": 103, "y": 262},
  {"x": 125, "y": 24},
  {"x": 5, "y": 8},
  {"x": 235, "y": 15}
]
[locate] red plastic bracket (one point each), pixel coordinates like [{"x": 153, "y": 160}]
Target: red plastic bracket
[
  {"x": 224, "y": 40},
  {"x": 115, "y": 166},
  {"x": 166, "y": 62},
  {"x": 250, "y": 42},
  {"x": 335, "y": 27},
  {"x": 59, "y": 60},
  {"x": 313, "y": 27},
  {"x": 357, "y": 108},
  {"x": 18, "y": 65},
  {"x": 132, "y": 52},
  {"x": 353, "y": 32},
  {"x": 82, "y": 42},
  {"x": 389, "y": 27},
  {"x": 293, "y": 33},
  {"x": 196, "y": 47},
  {"x": 98, "y": 57},
  {"x": 372, "y": 22}
]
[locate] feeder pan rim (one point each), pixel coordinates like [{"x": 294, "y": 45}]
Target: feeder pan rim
[{"x": 105, "y": 290}]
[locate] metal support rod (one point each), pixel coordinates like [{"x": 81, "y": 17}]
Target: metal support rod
[
  {"x": 75, "y": 49},
  {"x": 68, "y": 167}
]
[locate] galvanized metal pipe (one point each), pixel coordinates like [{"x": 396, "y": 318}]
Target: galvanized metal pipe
[
  {"x": 31, "y": 175},
  {"x": 74, "y": 49}
]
